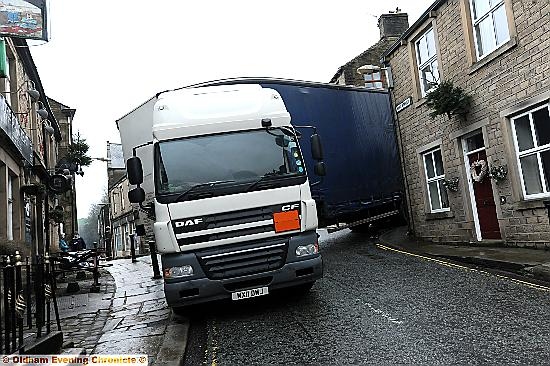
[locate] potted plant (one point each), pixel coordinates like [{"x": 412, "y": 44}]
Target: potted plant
[
  {"x": 57, "y": 215},
  {"x": 451, "y": 184},
  {"x": 448, "y": 99},
  {"x": 498, "y": 172},
  {"x": 34, "y": 189}
]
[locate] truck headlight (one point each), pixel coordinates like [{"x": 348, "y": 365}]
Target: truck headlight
[
  {"x": 309, "y": 249},
  {"x": 175, "y": 272}
]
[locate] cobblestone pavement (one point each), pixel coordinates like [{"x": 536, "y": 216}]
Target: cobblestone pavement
[
  {"x": 84, "y": 314},
  {"x": 129, "y": 315}
]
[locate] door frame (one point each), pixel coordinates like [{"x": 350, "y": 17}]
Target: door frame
[{"x": 465, "y": 154}]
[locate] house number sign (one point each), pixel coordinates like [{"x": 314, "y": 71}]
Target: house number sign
[{"x": 404, "y": 104}]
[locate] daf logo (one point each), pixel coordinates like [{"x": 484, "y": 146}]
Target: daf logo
[
  {"x": 189, "y": 222},
  {"x": 291, "y": 207}
]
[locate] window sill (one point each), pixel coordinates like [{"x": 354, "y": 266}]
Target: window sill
[
  {"x": 494, "y": 55},
  {"x": 420, "y": 102},
  {"x": 439, "y": 215},
  {"x": 532, "y": 204}
]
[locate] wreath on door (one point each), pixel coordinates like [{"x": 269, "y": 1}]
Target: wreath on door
[{"x": 482, "y": 164}]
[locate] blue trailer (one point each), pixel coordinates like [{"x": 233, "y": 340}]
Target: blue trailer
[{"x": 363, "y": 182}]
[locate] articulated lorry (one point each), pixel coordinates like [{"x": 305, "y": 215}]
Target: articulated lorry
[{"x": 233, "y": 174}]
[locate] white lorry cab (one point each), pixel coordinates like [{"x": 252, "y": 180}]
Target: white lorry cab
[{"x": 220, "y": 170}]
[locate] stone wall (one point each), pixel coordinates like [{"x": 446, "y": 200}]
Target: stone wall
[{"x": 513, "y": 76}]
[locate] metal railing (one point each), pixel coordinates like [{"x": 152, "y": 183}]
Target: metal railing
[{"x": 27, "y": 296}]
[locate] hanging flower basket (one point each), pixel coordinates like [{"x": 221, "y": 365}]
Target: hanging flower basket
[
  {"x": 498, "y": 172},
  {"x": 451, "y": 184},
  {"x": 57, "y": 215},
  {"x": 449, "y": 100},
  {"x": 34, "y": 189},
  {"x": 478, "y": 176}
]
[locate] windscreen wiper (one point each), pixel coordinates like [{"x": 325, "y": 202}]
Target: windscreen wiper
[
  {"x": 200, "y": 185},
  {"x": 268, "y": 176}
]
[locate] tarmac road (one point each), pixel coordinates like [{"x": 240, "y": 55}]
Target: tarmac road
[{"x": 381, "y": 307}]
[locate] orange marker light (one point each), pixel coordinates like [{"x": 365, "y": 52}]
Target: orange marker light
[{"x": 286, "y": 221}]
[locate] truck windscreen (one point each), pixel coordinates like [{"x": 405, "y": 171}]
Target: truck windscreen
[{"x": 227, "y": 163}]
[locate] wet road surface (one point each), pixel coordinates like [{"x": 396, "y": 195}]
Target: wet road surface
[{"x": 381, "y": 307}]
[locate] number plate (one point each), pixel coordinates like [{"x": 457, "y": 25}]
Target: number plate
[{"x": 246, "y": 294}]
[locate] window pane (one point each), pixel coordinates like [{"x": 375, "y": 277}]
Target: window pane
[
  {"x": 368, "y": 77},
  {"x": 444, "y": 197},
  {"x": 480, "y": 7},
  {"x": 541, "y": 118},
  {"x": 422, "y": 51},
  {"x": 501, "y": 25},
  {"x": 426, "y": 79},
  {"x": 435, "y": 72},
  {"x": 485, "y": 37},
  {"x": 438, "y": 162},
  {"x": 430, "y": 42},
  {"x": 474, "y": 142},
  {"x": 531, "y": 176},
  {"x": 523, "y": 132},
  {"x": 434, "y": 196},
  {"x": 428, "y": 162},
  {"x": 545, "y": 157}
]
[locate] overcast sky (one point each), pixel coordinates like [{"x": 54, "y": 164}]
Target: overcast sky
[{"x": 106, "y": 57}]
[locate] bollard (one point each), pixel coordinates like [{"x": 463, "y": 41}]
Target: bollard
[
  {"x": 29, "y": 292},
  {"x": 6, "y": 299},
  {"x": 20, "y": 304},
  {"x": 133, "y": 248},
  {"x": 155, "y": 262},
  {"x": 47, "y": 292},
  {"x": 96, "y": 286}
]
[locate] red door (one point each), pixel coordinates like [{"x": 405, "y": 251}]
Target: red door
[{"x": 485, "y": 202}]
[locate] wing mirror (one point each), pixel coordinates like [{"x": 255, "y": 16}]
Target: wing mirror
[
  {"x": 136, "y": 195},
  {"x": 320, "y": 169},
  {"x": 135, "y": 171},
  {"x": 316, "y": 148}
]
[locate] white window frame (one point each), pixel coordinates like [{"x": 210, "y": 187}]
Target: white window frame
[
  {"x": 9, "y": 228},
  {"x": 428, "y": 62},
  {"x": 372, "y": 82},
  {"x": 536, "y": 150},
  {"x": 435, "y": 178},
  {"x": 489, "y": 13}
]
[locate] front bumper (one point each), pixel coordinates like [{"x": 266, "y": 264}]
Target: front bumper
[{"x": 200, "y": 288}]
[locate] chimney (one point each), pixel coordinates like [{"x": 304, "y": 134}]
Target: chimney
[{"x": 393, "y": 24}]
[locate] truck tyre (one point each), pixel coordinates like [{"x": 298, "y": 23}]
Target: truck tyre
[
  {"x": 303, "y": 288},
  {"x": 181, "y": 310}
]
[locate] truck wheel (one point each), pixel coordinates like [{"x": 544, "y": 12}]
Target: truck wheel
[
  {"x": 181, "y": 310},
  {"x": 303, "y": 288}
]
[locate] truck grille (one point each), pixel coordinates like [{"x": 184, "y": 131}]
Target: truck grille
[
  {"x": 243, "y": 259},
  {"x": 225, "y": 225}
]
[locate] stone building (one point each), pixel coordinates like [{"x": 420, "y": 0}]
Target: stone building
[
  {"x": 122, "y": 213},
  {"x": 29, "y": 139},
  {"x": 498, "y": 52},
  {"x": 365, "y": 70},
  {"x": 64, "y": 116}
]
